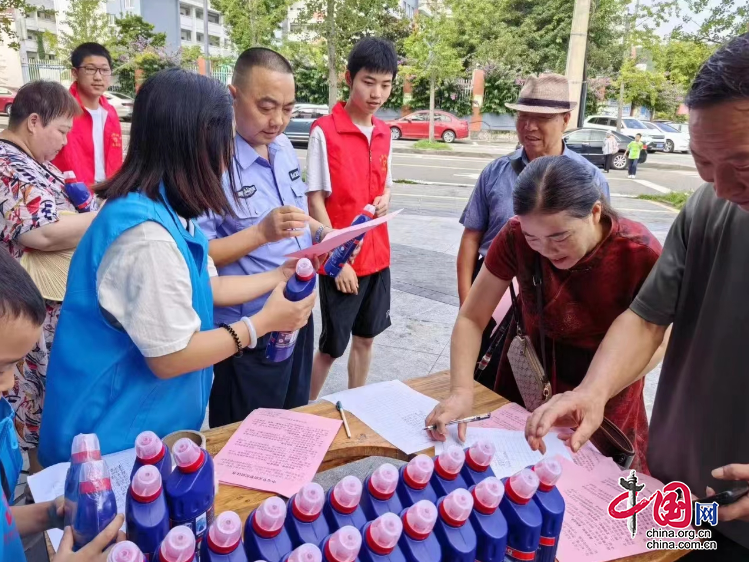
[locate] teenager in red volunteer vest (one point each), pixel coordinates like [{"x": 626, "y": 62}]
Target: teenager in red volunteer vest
[
  {"x": 348, "y": 167},
  {"x": 94, "y": 149}
]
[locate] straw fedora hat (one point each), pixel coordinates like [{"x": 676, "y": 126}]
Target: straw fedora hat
[{"x": 546, "y": 93}]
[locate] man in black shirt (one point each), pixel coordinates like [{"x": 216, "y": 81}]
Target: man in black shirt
[{"x": 699, "y": 428}]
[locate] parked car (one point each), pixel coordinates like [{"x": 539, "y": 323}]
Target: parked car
[
  {"x": 630, "y": 127},
  {"x": 7, "y": 97},
  {"x": 302, "y": 117},
  {"x": 123, "y": 104},
  {"x": 447, "y": 126},
  {"x": 588, "y": 142},
  {"x": 676, "y": 141},
  {"x": 681, "y": 127}
]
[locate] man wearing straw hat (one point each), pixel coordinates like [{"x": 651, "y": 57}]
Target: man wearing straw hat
[{"x": 543, "y": 113}]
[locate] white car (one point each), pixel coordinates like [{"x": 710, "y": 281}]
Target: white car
[
  {"x": 122, "y": 104},
  {"x": 630, "y": 127},
  {"x": 676, "y": 141}
]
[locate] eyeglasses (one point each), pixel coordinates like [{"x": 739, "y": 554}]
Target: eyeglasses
[{"x": 92, "y": 70}]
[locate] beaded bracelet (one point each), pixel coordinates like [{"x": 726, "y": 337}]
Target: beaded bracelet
[{"x": 240, "y": 349}]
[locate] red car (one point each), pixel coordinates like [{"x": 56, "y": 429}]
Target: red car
[
  {"x": 7, "y": 97},
  {"x": 416, "y": 126}
]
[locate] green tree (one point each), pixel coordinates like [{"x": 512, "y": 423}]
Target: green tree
[
  {"x": 717, "y": 21},
  {"x": 131, "y": 30},
  {"x": 252, "y": 22},
  {"x": 310, "y": 70},
  {"x": 8, "y": 23},
  {"x": 341, "y": 23},
  {"x": 650, "y": 89},
  {"x": 681, "y": 60},
  {"x": 431, "y": 55},
  {"x": 87, "y": 21}
]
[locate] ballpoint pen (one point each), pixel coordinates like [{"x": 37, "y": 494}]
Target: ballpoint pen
[
  {"x": 339, "y": 407},
  {"x": 464, "y": 420}
]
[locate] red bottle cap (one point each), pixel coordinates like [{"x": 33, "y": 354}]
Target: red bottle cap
[
  {"x": 304, "y": 270},
  {"x": 370, "y": 211},
  {"x": 549, "y": 471},
  {"x": 418, "y": 472},
  {"x": 94, "y": 477},
  {"x": 480, "y": 454},
  {"x": 178, "y": 545},
  {"x": 419, "y": 520},
  {"x": 146, "y": 484},
  {"x": 85, "y": 448},
  {"x": 308, "y": 502},
  {"x": 456, "y": 507},
  {"x": 520, "y": 487},
  {"x": 383, "y": 533},
  {"x": 343, "y": 545},
  {"x": 487, "y": 494},
  {"x": 125, "y": 551},
  {"x": 69, "y": 176},
  {"x": 383, "y": 481},
  {"x": 306, "y": 553},
  {"x": 188, "y": 455},
  {"x": 346, "y": 494},
  {"x": 269, "y": 517},
  {"x": 148, "y": 448},
  {"x": 225, "y": 533},
  {"x": 449, "y": 463}
]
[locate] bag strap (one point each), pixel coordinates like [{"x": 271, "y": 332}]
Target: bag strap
[
  {"x": 538, "y": 280},
  {"x": 516, "y": 310}
]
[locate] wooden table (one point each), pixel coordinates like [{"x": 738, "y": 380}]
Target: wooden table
[{"x": 366, "y": 443}]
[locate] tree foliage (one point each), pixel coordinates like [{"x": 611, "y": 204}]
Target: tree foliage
[
  {"x": 650, "y": 89},
  {"x": 716, "y": 20},
  {"x": 7, "y": 20},
  {"x": 252, "y": 22},
  {"x": 86, "y": 21}
]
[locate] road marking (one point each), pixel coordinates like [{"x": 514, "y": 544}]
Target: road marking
[
  {"x": 668, "y": 207},
  {"x": 397, "y": 193},
  {"x": 424, "y": 182},
  {"x": 398, "y": 164},
  {"x": 654, "y": 186},
  {"x": 670, "y": 210},
  {"x": 470, "y": 176}
]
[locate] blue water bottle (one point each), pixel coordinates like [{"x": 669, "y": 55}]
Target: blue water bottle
[
  {"x": 342, "y": 504},
  {"x": 478, "y": 462},
  {"x": 340, "y": 256},
  {"x": 178, "y": 546},
  {"x": 305, "y": 522},
  {"x": 85, "y": 448},
  {"x": 551, "y": 503},
  {"x": 190, "y": 489},
  {"x": 342, "y": 546},
  {"x": 97, "y": 506},
  {"x": 447, "y": 467},
  {"x": 378, "y": 496},
  {"x": 224, "y": 542},
  {"x": 417, "y": 542},
  {"x": 305, "y": 553},
  {"x": 265, "y": 537},
  {"x": 380, "y": 540},
  {"x": 414, "y": 484},
  {"x": 522, "y": 515},
  {"x": 300, "y": 286},
  {"x": 454, "y": 533},
  {"x": 488, "y": 521},
  {"x": 149, "y": 449},
  {"x": 78, "y": 193},
  {"x": 146, "y": 513},
  {"x": 126, "y": 551}
]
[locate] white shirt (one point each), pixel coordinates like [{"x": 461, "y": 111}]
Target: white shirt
[
  {"x": 144, "y": 283},
  {"x": 318, "y": 172},
  {"x": 100, "y": 117}
]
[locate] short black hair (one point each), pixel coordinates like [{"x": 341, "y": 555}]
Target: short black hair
[
  {"x": 181, "y": 134},
  {"x": 19, "y": 296},
  {"x": 84, "y": 50},
  {"x": 555, "y": 184},
  {"x": 723, "y": 77},
  {"x": 49, "y": 100},
  {"x": 262, "y": 57},
  {"x": 638, "y": 135},
  {"x": 374, "y": 54}
]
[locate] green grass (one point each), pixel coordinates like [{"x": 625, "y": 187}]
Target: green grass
[
  {"x": 676, "y": 199},
  {"x": 407, "y": 182},
  {"x": 426, "y": 145}
]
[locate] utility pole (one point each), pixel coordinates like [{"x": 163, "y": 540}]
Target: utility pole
[
  {"x": 576, "y": 54},
  {"x": 206, "y": 43},
  {"x": 631, "y": 23}
]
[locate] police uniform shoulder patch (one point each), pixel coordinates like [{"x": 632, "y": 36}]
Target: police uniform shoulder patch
[
  {"x": 294, "y": 174},
  {"x": 247, "y": 191}
]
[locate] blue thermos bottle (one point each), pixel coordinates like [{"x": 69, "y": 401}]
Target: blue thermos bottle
[
  {"x": 447, "y": 467},
  {"x": 85, "y": 448},
  {"x": 146, "y": 513},
  {"x": 551, "y": 503},
  {"x": 300, "y": 286},
  {"x": 342, "y": 546},
  {"x": 149, "y": 449},
  {"x": 78, "y": 193},
  {"x": 522, "y": 515},
  {"x": 415, "y": 481},
  {"x": 305, "y": 522},
  {"x": 224, "y": 542},
  {"x": 418, "y": 543},
  {"x": 380, "y": 540},
  {"x": 340, "y": 256},
  {"x": 478, "y": 462},
  {"x": 342, "y": 504},
  {"x": 265, "y": 537},
  {"x": 453, "y": 530},
  {"x": 487, "y": 520},
  {"x": 378, "y": 496},
  {"x": 97, "y": 506}
]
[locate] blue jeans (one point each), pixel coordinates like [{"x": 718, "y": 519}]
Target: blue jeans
[{"x": 633, "y": 166}]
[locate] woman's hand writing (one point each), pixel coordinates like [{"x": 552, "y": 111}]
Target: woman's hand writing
[{"x": 456, "y": 406}]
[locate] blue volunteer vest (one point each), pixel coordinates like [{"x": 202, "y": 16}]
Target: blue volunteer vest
[
  {"x": 98, "y": 381},
  {"x": 11, "y": 463}
]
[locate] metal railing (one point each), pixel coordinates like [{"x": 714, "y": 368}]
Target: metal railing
[{"x": 55, "y": 70}]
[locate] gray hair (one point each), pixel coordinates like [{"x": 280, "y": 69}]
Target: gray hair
[{"x": 724, "y": 77}]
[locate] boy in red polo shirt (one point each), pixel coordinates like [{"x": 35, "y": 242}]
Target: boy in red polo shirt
[
  {"x": 94, "y": 149},
  {"x": 348, "y": 167}
]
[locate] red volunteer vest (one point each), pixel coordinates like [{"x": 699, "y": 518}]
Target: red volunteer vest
[
  {"x": 78, "y": 154},
  {"x": 358, "y": 171}
]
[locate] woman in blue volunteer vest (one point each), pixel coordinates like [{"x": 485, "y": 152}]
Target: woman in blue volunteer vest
[
  {"x": 135, "y": 343},
  {"x": 22, "y": 313}
]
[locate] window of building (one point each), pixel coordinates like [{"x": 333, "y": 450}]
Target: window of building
[
  {"x": 129, "y": 4},
  {"x": 199, "y": 37},
  {"x": 198, "y": 13},
  {"x": 184, "y": 10},
  {"x": 214, "y": 41},
  {"x": 214, "y": 17},
  {"x": 111, "y": 19},
  {"x": 47, "y": 15},
  {"x": 186, "y": 35}
]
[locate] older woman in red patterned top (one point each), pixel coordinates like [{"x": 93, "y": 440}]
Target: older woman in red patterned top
[{"x": 592, "y": 264}]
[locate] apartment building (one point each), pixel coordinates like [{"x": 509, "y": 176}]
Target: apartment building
[{"x": 192, "y": 28}]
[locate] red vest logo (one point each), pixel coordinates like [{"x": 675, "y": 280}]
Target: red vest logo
[
  {"x": 384, "y": 162},
  {"x": 116, "y": 140}
]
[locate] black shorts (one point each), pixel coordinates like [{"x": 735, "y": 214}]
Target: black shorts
[{"x": 364, "y": 315}]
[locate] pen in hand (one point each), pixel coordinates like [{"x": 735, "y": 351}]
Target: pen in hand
[{"x": 464, "y": 420}]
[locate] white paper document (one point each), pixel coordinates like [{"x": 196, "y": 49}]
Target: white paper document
[
  {"x": 513, "y": 452},
  {"x": 50, "y": 484},
  {"x": 393, "y": 410}
]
